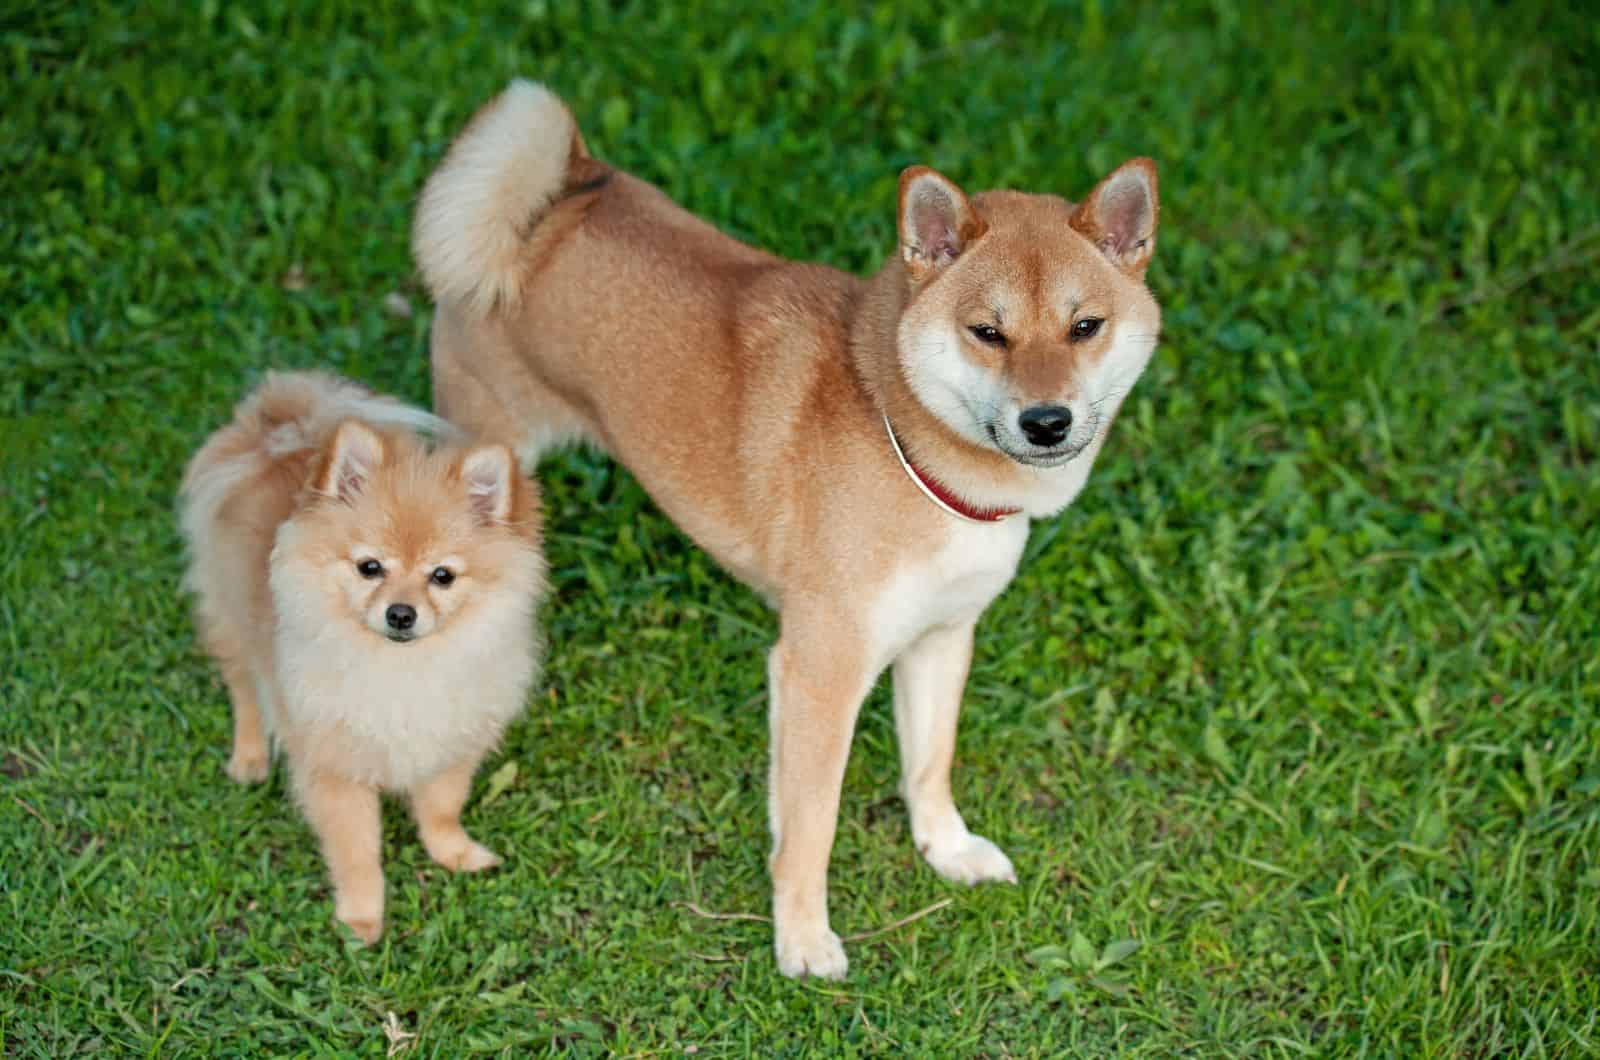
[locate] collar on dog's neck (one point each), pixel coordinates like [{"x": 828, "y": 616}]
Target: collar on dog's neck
[{"x": 940, "y": 494}]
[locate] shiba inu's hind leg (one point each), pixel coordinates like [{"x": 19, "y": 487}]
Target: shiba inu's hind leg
[
  {"x": 516, "y": 408},
  {"x": 929, "y": 678}
]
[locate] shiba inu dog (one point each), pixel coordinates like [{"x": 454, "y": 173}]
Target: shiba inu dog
[
  {"x": 370, "y": 602},
  {"x": 865, "y": 453}
]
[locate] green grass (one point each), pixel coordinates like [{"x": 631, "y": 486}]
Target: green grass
[{"x": 1301, "y": 696}]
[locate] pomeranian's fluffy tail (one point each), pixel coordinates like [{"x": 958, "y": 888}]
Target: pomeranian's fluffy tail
[
  {"x": 290, "y": 414},
  {"x": 505, "y": 170}
]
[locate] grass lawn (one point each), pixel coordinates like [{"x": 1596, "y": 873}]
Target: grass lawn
[{"x": 1289, "y": 724}]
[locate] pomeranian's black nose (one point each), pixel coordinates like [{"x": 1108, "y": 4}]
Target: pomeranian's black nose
[
  {"x": 1046, "y": 424},
  {"x": 400, "y": 616}
]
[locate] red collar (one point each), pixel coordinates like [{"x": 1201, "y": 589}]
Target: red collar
[{"x": 941, "y": 494}]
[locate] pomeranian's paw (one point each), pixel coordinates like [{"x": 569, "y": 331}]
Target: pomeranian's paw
[
  {"x": 970, "y": 859},
  {"x": 463, "y": 854},
  {"x": 363, "y": 918},
  {"x": 366, "y": 929},
  {"x": 813, "y": 950},
  {"x": 249, "y": 766}
]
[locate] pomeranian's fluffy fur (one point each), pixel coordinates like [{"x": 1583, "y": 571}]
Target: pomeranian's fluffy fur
[{"x": 370, "y": 600}]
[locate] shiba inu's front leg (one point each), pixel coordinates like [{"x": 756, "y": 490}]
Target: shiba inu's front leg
[
  {"x": 436, "y": 804},
  {"x": 346, "y": 817},
  {"x": 929, "y": 678},
  {"x": 817, "y": 677}
]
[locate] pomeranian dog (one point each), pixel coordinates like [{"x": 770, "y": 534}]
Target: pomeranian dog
[{"x": 370, "y": 601}]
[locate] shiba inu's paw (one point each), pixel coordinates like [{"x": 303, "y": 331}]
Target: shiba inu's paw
[
  {"x": 249, "y": 767},
  {"x": 816, "y": 951},
  {"x": 462, "y": 854},
  {"x": 970, "y": 859}
]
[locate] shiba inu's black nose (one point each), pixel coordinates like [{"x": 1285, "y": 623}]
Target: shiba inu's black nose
[
  {"x": 1046, "y": 424},
  {"x": 400, "y": 616}
]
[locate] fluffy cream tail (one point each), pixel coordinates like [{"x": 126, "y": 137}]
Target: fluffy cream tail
[
  {"x": 502, "y": 172},
  {"x": 288, "y": 413}
]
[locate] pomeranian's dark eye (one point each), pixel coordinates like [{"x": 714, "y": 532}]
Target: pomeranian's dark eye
[
  {"x": 443, "y": 576},
  {"x": 988, "y": 335},
  {"x": 370, "y": 568},
  {"x": 1087, "y": 327}
]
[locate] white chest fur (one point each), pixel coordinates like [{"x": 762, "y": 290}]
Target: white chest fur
[
  {"x": 393, "y": 715},
  {"x": 949, "y": 586}
]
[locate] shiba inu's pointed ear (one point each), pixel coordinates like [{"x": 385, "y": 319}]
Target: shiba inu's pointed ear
[
  {"x": 936, "y": 221},
  {"x": 489, "y": 472},
  {"x": 1119, "y": 216},
  {"x": 356, "y": 449}
]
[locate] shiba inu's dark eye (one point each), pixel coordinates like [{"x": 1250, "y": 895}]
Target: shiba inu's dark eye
[
  {"x": 370, "y": 568},
  {"x": 443, "y": 576},
  {"x": 988, "y": 334},
  {"x": 1087, "y": 327}
]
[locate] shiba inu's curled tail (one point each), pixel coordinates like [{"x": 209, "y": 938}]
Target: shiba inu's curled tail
[{"x": 477, "y": 211}]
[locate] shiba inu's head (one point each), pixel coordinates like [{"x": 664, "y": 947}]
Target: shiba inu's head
[{"x": 1026, "y": 319}]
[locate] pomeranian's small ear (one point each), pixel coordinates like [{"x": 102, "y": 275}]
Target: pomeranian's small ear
[
  {"x": 1119, "y": 216},
  {"x": 936, "y": 221},
  {"x": 489, "y": 472},
  {"x": 356, "y": 450}
]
